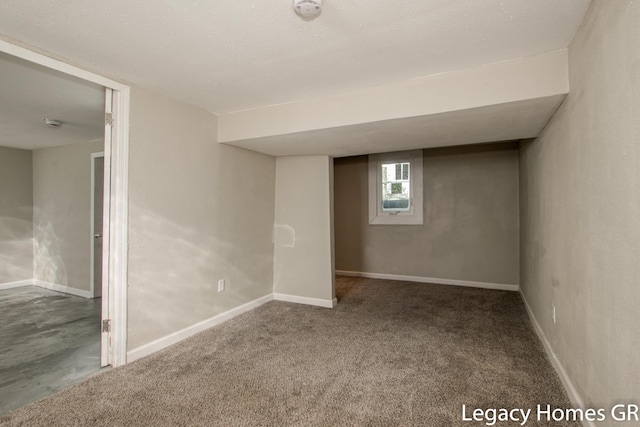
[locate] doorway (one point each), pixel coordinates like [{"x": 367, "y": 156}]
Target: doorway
[{"x": 114, "y": 236}]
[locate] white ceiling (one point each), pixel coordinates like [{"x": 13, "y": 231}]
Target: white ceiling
[
  {"x": 31, "y": 93},
  {"x": 229, "y": 55}
]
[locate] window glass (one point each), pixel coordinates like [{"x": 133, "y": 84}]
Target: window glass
[{"x": 396, "y": 187}]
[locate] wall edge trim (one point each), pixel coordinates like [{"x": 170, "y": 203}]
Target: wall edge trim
[
  {"x": 16, "y": 284},
  {"x": 176, "y": 337},
  {"x": 62, "y": 288},
  {"x": 432, "y": 280},
  {"x": 318, "y": 302},
  {"x": 572, "y": 393}
]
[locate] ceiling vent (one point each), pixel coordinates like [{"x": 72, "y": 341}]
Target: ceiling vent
[{"x": 307, "y": 8}]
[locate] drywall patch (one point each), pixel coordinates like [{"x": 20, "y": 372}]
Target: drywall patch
[{"x": 284, "y": 235}]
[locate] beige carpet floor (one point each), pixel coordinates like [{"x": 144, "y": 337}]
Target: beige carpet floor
[{"x": 391, "y": 353}]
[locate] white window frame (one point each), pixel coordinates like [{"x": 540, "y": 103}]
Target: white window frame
[{"x": 414, "y": 215}]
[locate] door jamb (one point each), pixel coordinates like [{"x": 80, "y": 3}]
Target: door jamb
[{"x": 117, "y": 160}]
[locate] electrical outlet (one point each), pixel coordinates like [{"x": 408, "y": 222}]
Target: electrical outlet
[
  {"x": 221, "y": 286},
  {"x": 554, "y": 313}
]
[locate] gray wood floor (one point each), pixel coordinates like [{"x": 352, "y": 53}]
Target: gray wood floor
[{"x": 48, "y": 341}]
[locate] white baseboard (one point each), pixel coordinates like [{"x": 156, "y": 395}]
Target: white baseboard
[
  {"x": 327, "y": 303},
  {"x": 46, "y": 285},
  {"x": 573, "y": 394},
  {"x": 17, "y": 284},
  {"x": 61, "y": 288},
  {"x": 435, "y": 281},
  {"x": 182, "y": 334}
]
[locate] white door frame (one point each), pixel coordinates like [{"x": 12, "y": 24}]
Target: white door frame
[
  {"x": 116, "y": 160},
  {"x": 92, "y": 287}
]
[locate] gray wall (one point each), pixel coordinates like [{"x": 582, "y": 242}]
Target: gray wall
[
  {"x": 62, "y": 214},
  {"x": 199, "y": 211},
  {"x": 16, "y": 214},
  {"x": 580, "y": 190},
  {"x": 470, "y": 229}
]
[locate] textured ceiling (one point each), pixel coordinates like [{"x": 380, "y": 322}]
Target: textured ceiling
[
  {"x": 31, "y": 93},
  {"x": 228, "y": 55}
]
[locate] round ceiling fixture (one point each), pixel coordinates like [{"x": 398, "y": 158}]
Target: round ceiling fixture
[
  {"x": 55, "y": 124},
  {"x": 307, "y": 8}
]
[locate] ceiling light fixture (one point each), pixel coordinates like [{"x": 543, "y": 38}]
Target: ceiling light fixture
[
  {"x": 307, "y": 8},
  {"x": 54, "y": 124}
]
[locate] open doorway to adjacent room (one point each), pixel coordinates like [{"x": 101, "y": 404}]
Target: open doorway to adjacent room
[{"x": 63, "y": 145}]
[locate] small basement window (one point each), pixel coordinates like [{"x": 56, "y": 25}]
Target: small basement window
[{"x": 395, "y": 188}]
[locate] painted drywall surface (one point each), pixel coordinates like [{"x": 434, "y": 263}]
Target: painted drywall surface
[
  {"x": 520, "y": 79},
  {"x": 580, "y": 192},
  {"x": 16, "y": 215},
  {"x": 303, "y": 253},
  {"x": 470, "y": 229},
  {"x": 234, "y": 55},
  {"x": 198, "y": 212},
  {"x": 62, "y": 214},
  {"x": 500, "y": 122},
  {"x": 32, "y": 92}
]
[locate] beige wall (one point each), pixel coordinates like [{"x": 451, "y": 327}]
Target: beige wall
[
  {"x": 470, "y": 229},
  {"x": 62, "y": 214},
  {"x": 303, "y": 254},
  {"x": 580, "y": 186},
  {"x": 16, "y": 214},
  {"x": 199, "y": 211}
]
